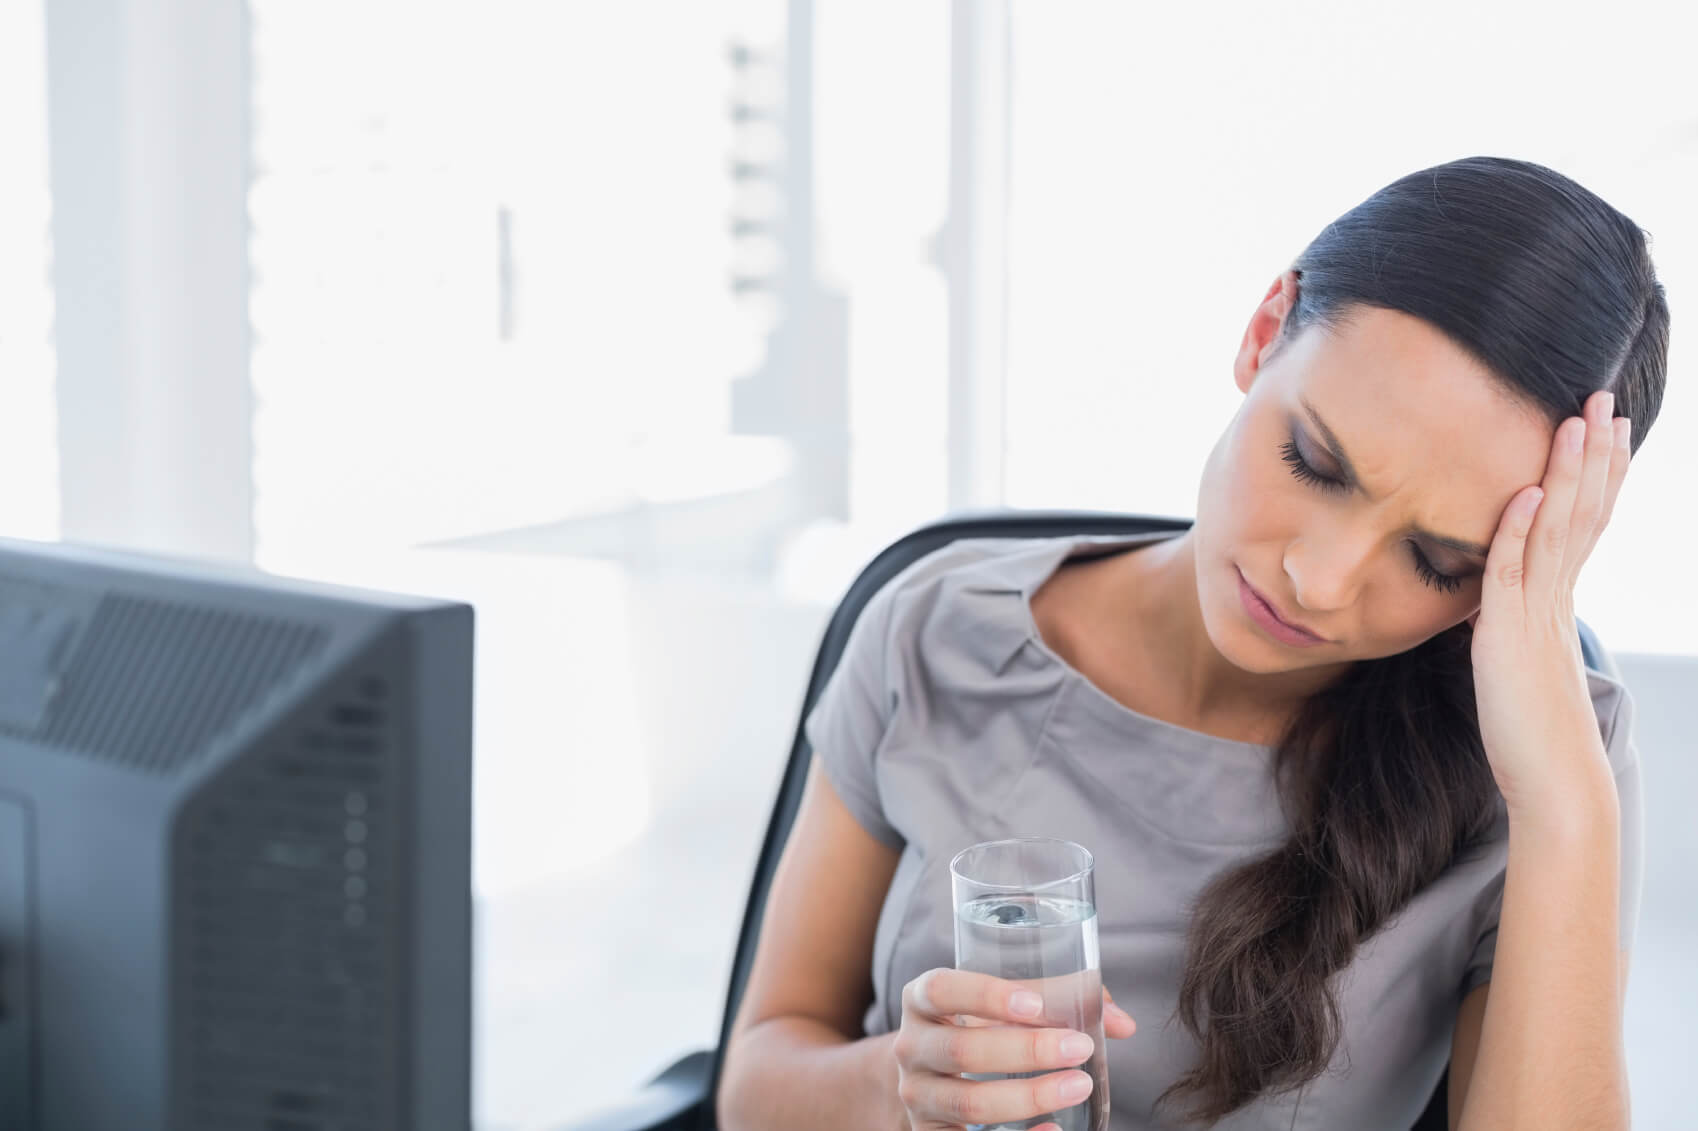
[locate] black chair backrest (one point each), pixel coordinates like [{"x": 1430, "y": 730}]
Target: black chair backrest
[{"x": 895, "y": 558}]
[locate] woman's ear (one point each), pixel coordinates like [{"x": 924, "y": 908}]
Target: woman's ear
[{"x": 1261, "y": 336}]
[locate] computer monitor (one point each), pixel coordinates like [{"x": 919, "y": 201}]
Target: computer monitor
[{"x": 235, "y": 822}]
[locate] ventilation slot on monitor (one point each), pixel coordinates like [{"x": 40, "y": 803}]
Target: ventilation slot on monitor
[
  {"x": 287, "y": 924},
  {"x": 120, "y": 694}
]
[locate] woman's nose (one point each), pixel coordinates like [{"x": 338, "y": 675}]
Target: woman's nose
[{"x": 1327, "y": 569}]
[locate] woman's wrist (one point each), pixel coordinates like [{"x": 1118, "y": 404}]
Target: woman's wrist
[{"x": 1579, "y": 809}]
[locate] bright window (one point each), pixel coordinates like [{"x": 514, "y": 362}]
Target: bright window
[
  {"x": 29, "y": 448},
  {"x": 498, "y": 356}
]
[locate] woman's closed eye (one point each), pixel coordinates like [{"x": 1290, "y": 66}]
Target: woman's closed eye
[{"x": 1437, "y": 579}]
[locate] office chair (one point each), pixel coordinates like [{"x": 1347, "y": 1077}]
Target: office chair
[{"x": 681, "y": 1097}]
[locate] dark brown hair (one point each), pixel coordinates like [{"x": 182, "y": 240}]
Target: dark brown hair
[{"x": 1382, "y": 775}]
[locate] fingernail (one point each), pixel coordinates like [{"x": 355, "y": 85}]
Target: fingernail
[
  {"x": 1077, "y": 1047},
  {"x": 1623, "y": 432},
  {"x": 1607, "y": 410},
  {"x": 1026, "y": 1004},
  {"x": 1075, "y": 1088},
  {"x": 1576, "y": 437}
]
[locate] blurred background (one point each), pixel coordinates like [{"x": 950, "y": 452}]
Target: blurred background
[{"x": 643, "y": 326}]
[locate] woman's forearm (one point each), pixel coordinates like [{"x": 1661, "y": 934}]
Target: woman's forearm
[
  {"x": 1550, "y": 1053},
  {"x": 791, "y": 1072}
]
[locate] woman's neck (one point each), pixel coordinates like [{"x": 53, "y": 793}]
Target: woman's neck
[{"x": 1148, "y": 600}]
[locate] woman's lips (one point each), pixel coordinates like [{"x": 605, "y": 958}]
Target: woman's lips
[{"x": 1262, "y": 613}]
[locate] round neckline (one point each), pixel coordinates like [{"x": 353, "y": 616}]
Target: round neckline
[{"x": 1114, "y": 711}]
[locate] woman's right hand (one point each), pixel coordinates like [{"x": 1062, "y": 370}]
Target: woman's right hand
[{"x": 933, "y": 1047}]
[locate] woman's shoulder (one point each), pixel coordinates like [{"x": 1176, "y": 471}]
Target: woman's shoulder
[
  {"x": 962, "y": 609},
  {"x": 1000, "y": 564},
  {"x": 971, "y": 565}
]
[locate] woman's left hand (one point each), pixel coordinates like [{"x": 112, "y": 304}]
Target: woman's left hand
[{"x": 1536, "y": 718}]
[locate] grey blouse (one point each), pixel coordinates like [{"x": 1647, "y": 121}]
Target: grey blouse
[{"x": 949, "y": 721}]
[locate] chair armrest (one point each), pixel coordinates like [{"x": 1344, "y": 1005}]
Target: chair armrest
[{"x": 676, "y": 1100}]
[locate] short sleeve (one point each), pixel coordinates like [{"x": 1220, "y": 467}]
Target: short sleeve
[
  {"x": 1624, "y": 762},
  {"x": 853, "y": 713}
]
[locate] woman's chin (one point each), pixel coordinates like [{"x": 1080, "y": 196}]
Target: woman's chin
[{"x": 1243, "y": 646}]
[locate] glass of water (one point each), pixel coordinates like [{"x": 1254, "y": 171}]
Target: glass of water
[{"x": 1026, "y": 910}]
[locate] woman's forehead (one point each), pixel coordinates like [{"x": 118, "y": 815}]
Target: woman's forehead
[
  {"x": 1388, "y": 372},
  {"x": 1418, "y": 417}
]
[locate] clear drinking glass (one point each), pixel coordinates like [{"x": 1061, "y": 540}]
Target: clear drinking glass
[{"x": 1026, "y": 910}]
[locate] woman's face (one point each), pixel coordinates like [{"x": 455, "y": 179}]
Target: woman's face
[{"x": 1431, "y": 449}]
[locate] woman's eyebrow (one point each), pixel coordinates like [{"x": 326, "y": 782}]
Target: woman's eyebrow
[{"x": 1336, "y": 450}]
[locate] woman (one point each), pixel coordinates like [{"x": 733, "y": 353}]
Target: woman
[{"x": 1359, "y": 809}]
